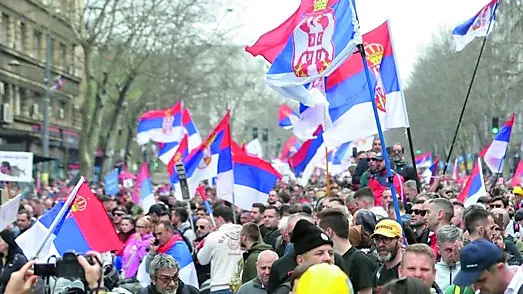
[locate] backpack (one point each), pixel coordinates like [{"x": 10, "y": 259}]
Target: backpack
[{"x": 187, "y": 241}]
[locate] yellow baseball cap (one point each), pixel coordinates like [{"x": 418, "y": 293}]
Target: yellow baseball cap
[
  {"x": 517, "y": 190},
  {"x": 388, "y": 228}
]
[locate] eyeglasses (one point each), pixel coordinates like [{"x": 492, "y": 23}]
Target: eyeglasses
[
  {"x": 118, "y": 214},
  {"x": 372, "y": 159},
  {"x": 386, "y": 240},
  {"x": 141, "y": 227},
  {"x": 496, "y": 206},
  {"x": 419, "y": 212},
  {"x": 200, "y": 227},
  {"x": 396, "y": 151},
  {"x": 167, "y": 280}
]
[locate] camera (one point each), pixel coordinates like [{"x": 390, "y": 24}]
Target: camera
[
  {"x": 66, "y": 267},
  {"x": 156, "y": 241}
]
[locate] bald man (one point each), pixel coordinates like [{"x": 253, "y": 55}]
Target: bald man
[
  {"x": 259, "y": 284},
  {"x": 501, "y": 218}
]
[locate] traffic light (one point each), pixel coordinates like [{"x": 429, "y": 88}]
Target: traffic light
[
  {"x": 265, "y": 135},
  {"x": 418, "y": 151},
  {"x": 495, "y": 125},
  {"x": 254, "y": 132}
]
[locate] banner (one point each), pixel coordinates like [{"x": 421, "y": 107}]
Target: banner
[
  {"x": 16, "y": 166},
  {"x": 111, "y": 183}
]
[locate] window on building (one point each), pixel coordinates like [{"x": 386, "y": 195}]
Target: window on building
[
  {"x": 23, "y": 37},
  {"x": 63, "y": 56},
  {"x": 18, "y": 100},
  {"x": 37, "y": 44},
  {"x": 4, "y": 31}
]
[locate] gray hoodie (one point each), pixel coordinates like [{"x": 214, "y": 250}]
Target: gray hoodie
[
  {"x": 222, "y": 249},
  {"x": 445, "y": 274}
]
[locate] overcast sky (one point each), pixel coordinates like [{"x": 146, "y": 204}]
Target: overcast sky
[{"x": 413, "y": 22}]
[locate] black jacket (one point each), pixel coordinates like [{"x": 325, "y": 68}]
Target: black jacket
[
  {"x": 182, "y": 289},
  {"x": 407, "y": 172},
  {"x": 282, "y": 267},
  {"x": 362, "y": 166},
  {"x": 15, "y": 259}
]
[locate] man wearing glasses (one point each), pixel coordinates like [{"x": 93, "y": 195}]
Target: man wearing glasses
[
  {"x": 417, "y": 221},
  {"x": 388, "y": 239},
  {"x": 165, "y": 278}
]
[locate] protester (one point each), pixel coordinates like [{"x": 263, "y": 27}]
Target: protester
[
  {"x": 258, "y": 285},
  {"x": 164, "y": 271},
  {"x": 418, "y": 262},
  {"x": 221, "y": 249},
  {"x": 250, "y": 240},
  {"x": 11, "y": 257},
  {"x": 388, "y": 239},
  {"x": 136, "y": 248}
]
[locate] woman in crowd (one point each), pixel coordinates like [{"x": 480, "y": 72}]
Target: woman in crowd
[
  {"x": 135, "y": 248},
  {"x": 11, "y": 257}
]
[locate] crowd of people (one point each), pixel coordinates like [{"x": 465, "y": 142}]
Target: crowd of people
[{"x": 303, "y": 239}]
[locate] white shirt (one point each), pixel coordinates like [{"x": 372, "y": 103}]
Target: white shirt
[{"x": 516, "y": 282}]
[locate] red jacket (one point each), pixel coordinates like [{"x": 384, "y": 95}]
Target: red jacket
[{"x": 378, "y": 183}]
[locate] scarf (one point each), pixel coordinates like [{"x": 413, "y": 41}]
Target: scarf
[{"x": 165, "y": 247}]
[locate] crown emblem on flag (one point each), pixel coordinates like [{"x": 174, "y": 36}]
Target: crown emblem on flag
[
  {"x": 177, "y": 157},
  {"x": 374, "y": 53},
  {"x": 320, "y": 5},
  {"x": 79, "y": 204}
]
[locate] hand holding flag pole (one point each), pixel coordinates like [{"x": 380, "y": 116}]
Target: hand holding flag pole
[{"x": 59, "y": 217}]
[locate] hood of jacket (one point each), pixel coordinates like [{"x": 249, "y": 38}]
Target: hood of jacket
[
  {"x": 257, "y": 248},
  {"x": 231, "y": 230}
]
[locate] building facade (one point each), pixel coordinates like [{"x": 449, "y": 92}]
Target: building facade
[{"x": 24, "y": 25}]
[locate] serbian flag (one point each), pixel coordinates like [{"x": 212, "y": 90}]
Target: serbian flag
[
  {"x": 309, "y": 156},
  {"x": 430, "y": 173},
  {"x": 350, "y": 107},
  {"x": 290, "y": 147},
  {"x": 85, "y": 227},
  {"x": 424, "y": 160},
  {"x": 211, "y": 159},
  {"x": 143, "y": 190},
  {"x": 494, "y": 155},
  {"x": 287, "y": 117},
  {"x": 320, "y": 36},
  {"x": 475, "y": 186},
  {"x": 163, "y": 126},
  {"x": 518, "y": 174},
  {"x": 476, "y": 26},
  {"x": 340, "y": 160},
  {"x": 167, "y": 150},
  {"x": 254, "y": 178}
]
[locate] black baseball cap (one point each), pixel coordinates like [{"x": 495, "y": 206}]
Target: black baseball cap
[
  {"x": 157, "y": 208},
  {"x": 476, "y": 257}
]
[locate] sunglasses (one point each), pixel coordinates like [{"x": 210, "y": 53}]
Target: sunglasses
[
  {"x": 419, "y": 212},
  {"x": 372, "y": 159},
  {"x": 496, "y": 206},
  {"x": 200, "y": 227},
  {"x": 119, "y": 214}
]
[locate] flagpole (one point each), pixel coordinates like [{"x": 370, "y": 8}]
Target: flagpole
[
  {"x": 59, "y": 217},
  {"x": 390, "y": 177},
  {"x": 327, "y": 176},
  {"x": 409, "y": 134},
  {"x": 467, "y": 96}
]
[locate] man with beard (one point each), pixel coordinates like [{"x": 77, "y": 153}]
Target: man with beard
[
  {"x": 257, "y": 211},
  {"x": 479, "y": 224},
  {"x": 165, "y": 277},
  {"x": 449, "y": 244},
  {"x": 387, "y": 237}
]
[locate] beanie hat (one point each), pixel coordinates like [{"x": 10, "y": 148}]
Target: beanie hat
[{"x": 306, "y": 236}]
